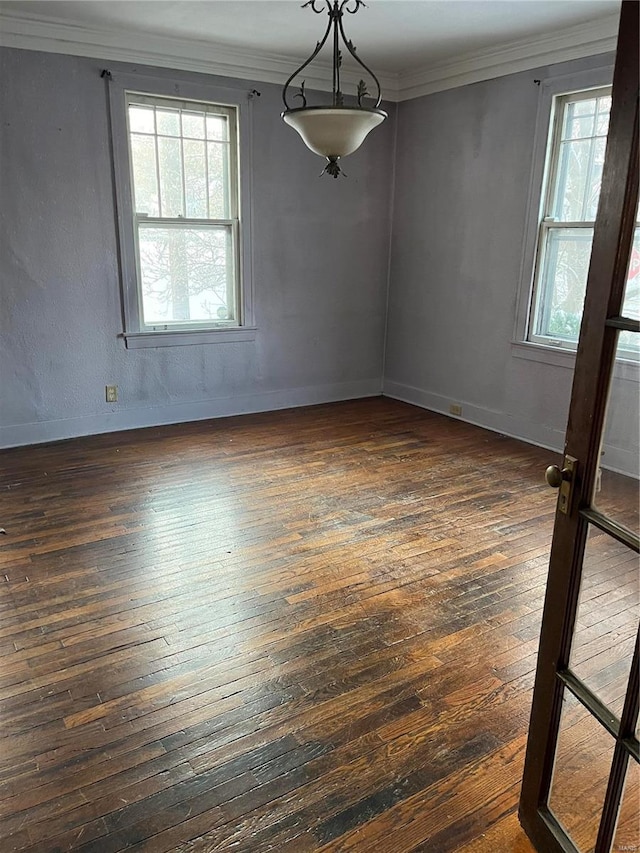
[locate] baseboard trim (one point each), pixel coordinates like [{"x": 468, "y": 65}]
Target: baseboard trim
[
  {"x": 614, "y": 459},
  {"x": 118, "y": 419}
]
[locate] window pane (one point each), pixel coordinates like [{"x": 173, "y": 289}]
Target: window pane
[
  {"x": 188, "y": 274},
  {"x": 219, "y": 185},
  {"x": 631, "y": 306},
  {"x": 584, "y": 754},
  {"x": 218, "y": 128},
  {"x": 168, "y": 121},
  {"x": 616, "y": 489},
  {"x": 141, "y": 119},
  {"x": 170, "y": 157},
  {"x": 579, "y": 180},
  {"x": 195, "y": 178},
  {"x": 193, "y": 125},
  {"x": 572, "y": 176},
  {"x": 580, "y": 127},
  {"x": 602, "y": 121},
  {"x": 563, "y": 282},
  {"x": 584, "y": 107},
  {"x": 594, "y": 183},
  {"x": 607, "y": 618},
  {"x": 145, "y": 179},
  {"x": 627, "y": 835}
]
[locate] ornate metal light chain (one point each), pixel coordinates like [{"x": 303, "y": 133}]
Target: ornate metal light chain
[{"x": 336, "y": 11}]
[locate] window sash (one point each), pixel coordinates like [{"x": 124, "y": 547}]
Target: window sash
[
  {"x": 232, "y": 290},
  {"x": 554, "y": 164},
  {"x": 544, "y": 292},
  {"x": 207, "y": 108}
]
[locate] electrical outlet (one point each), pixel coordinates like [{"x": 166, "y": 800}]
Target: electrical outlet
[
  {"x": 112, "y": 393},
  {"x": 455, "y": 409}
]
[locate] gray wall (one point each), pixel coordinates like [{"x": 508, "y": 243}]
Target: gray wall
[
  {"x": 320, "y": 256},
  {"x": 321, "y": 262},
  {"x": 463, "y": 168}
]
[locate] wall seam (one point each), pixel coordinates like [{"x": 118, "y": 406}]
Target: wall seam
[{"x": 392, "y": 206}]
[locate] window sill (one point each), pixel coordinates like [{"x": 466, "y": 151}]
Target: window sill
[
  {"x": 624, "y": 369},
  {"x": 548, "y": 355},
  {"x": 188, "y": 337}
]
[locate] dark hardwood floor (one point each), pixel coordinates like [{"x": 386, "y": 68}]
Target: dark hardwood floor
[{"x": 309, "y": 630}]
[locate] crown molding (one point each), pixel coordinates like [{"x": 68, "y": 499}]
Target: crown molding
[
  {"x": 53, "y": 35},
  {"x": 577, "y": 42}
]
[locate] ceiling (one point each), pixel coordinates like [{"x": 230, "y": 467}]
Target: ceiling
[{"x": 413, "y": 45}]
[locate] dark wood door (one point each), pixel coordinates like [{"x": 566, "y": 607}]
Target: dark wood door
[{"x": 581, "y": 784}]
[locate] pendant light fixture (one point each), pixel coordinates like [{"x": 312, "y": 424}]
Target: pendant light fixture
[{"x": 336, "y": 129}]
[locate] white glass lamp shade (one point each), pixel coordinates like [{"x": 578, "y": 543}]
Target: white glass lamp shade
[{"x": 333, "y": 132}]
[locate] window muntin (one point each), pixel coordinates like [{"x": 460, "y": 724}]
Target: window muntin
[
  {"x": 573, "y": 177},
  {"x": 184, "y": 186}
]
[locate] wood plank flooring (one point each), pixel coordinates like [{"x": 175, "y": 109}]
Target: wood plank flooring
[{"x": 302, "y": 631}]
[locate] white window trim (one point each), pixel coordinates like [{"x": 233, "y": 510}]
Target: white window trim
[
  {"x": 161, "y": 86},
  {"x": 564, "y": 357},
  {"x": 549, "y": 88}
]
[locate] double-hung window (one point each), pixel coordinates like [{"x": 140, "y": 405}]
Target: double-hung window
[
  {"x": 184, "y": 181},
  {"x": 571, "y": 191},
  {"x": 181, "y": 231}
]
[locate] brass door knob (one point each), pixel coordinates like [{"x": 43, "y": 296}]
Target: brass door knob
[
  {"x": 555, "y": 477},
  {"x": 563, "y": 479}
]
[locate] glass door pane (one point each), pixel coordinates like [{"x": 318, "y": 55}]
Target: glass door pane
[
  {"x": 583, "y": 760},
  {"x": 616, "y": 490},
  {"x": 607, "y": 618},
  {"x": 627, "y": 835}
]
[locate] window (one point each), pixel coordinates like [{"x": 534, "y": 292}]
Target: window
[
  {"x": 184, "y": 181},
  {"x": 184, "y": 259},
  {"x": 571, "y": 191}
]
